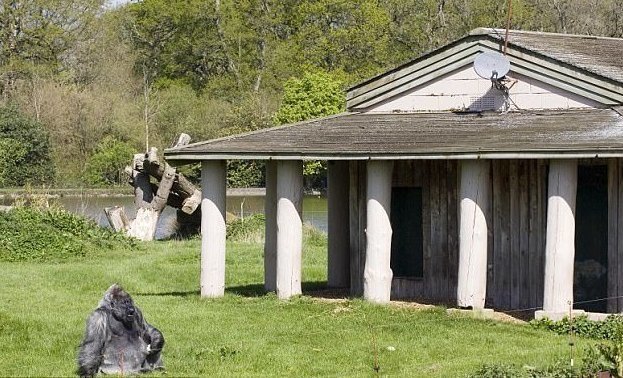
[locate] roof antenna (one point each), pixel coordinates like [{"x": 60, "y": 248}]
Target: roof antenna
[{"x": 509, "y": 15}]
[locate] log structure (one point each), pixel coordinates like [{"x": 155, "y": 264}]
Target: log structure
[{"x": 150, "y": 199}]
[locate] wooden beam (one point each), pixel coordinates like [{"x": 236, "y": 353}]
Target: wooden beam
[
  {"x": 213, "y": 187},
  {"x": 270, "y": 234},
  {"x": 338, "y": 264},
  {"x": 377, "y": 276},
  {"x": 473, "y": 233},
  {"x": 560, "y": 242},
  {"x": 289, "y": 228}
]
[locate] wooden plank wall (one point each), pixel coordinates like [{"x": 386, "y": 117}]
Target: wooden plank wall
[
  {"x": 517, "y": 229},
  {"x": 615, "y": 235},
  {"x": 517, "y": 246},
  {"x": 438, "y": 180},
  {"x": 516, "y": 232},
  {"x": 357, "y": 215}
]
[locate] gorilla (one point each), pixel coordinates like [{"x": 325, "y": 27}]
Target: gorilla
[{"x": 118, "y": 340}]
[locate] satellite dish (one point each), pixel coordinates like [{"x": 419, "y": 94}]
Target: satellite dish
[{"x": 491, "y": 65}]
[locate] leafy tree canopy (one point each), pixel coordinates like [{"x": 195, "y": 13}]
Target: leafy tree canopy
[
  {"x": 316, "y": 94},
  {"x": 24, "y": 150}
]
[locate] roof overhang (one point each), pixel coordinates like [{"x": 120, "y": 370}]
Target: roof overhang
[{"x": 594, "y": 133}]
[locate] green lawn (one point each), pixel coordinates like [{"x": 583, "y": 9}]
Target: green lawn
[{"x": 43, "y": 307}]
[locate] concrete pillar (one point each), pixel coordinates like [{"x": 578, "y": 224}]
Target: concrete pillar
[
  {"x": 213, "y": 189},
  {"x": 289, "y": 228},
  {"x": 338, "y": 224},
  {"x": 270, "y": 234},
  {"x": 560, "y": 242},
  {"x": 474, "y": 195},
  {"x": 377, "y": 276}
]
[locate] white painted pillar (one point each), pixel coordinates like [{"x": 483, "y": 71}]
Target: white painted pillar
[
  {"x": 338, "y": 264},
  {"x": 560, "y": 237},
  {"x": 377, "y": 275},
  {"x": 473, "y": 234},
  {"x": 213, "y": 189},
  {"x": 289, "y": 227},
  {"x": 270, "y": 234}
]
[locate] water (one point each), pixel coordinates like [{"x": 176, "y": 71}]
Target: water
[{"x": 314, "y": 209}]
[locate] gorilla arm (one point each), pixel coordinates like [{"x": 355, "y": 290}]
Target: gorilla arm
[
  {"x": 91, "y": 352},
  {"x": 154, "y": 338}
]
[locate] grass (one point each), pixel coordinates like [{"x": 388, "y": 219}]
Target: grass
[{"x": 43, "y": 306}]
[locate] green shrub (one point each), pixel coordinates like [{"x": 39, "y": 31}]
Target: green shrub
[
  {"x": 29, "y": 234},
  {"x": 105, "y": 166},
  {"x": 248, "y": 230},
  {"x": 24, "y": 151},
  {"x": 609, "y": 329}
]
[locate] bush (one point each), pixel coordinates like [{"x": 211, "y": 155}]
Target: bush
[
  {"x": 24, "y": 151},
  {"x": 247, "y": 230},
  {"x": 609, "y": 329},
  {"x": 105, "y": 166},
  {"x": 29, "y": 234}
]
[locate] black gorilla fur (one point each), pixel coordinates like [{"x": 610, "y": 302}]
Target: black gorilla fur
[{"x": 118, "y": 340}]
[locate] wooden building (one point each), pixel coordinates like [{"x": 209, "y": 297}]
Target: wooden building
[{"x": 450, "y": 188}]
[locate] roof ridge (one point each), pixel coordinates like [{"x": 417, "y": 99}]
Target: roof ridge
[{"x": 501, "y": 32}]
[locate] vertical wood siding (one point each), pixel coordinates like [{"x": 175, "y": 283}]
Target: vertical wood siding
[
  {"x": 517, "y": 219},
  {"x": 518, "y": 245}
]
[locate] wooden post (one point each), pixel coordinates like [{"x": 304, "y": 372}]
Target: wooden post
[
  {"x": 270, "y": 234},
  {"x": 213, "y": 185},
  {"x": 473, "y": 234},
  {"x": 289, "y": 228},
  {"x": 560, "y": 242},
  {"x": 377, "y": 276},
  {"x": 338, "y": 265}
]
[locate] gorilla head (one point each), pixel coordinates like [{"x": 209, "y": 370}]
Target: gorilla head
[
  {"x": 118, "y": 340},
  {"x": 120, "y": 304}
]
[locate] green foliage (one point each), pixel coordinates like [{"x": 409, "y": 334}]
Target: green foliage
[
  {"x": 24, "y": 150},
  {"x": 30, "y": 234},
  {"x": 316, "y": 94},
  {"x": 609, "y": 329},
  {"x": 245, "y": 173},
  {"x": 247, "y": 230},
  {"x": 105, "y": 166}
]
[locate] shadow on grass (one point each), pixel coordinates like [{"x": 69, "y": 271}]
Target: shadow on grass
[{"x": 317, "y": 289}]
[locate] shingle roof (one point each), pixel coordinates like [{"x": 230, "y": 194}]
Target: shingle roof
[
  {"x": 600, "y": 55},
  {"x": 582, "y": 133}
]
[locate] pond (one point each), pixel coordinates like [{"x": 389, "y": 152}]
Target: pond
[{"x": 314, "y": 209}]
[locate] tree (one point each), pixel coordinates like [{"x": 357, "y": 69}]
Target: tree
[
  {"x": 106, "y": 165},
  {"x": 314, "y": 95},
  {"x": 24, "y": 151}
]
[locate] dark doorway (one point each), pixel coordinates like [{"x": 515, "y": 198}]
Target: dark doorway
[
  {"x": 406, "y": 219},
  {"x": 590, "y": 281}
]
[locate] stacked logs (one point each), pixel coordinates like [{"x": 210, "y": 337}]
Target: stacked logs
[{"x": 150, "y": 199}]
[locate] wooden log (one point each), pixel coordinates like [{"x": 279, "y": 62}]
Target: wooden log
[
  {"x": 160, "y": 200},
  {"x": 182, "y": 140},
  {"x": 181, "y": 186},
  {"x": 473, "y": 234},
  {"x": 143, "y": 227},
  {"x": 117, "y": 219},
  {"x": 289, "y": 228},
  {"x": 213, "y": 231},
  {"x": 338, "y": 262},
  {"x": 270, "y": 228},
  {"x": 377, "y": 276},
  {"x": 190, "y": 204},
  {"x": 560, "y": 242}
]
